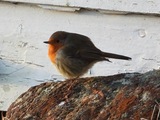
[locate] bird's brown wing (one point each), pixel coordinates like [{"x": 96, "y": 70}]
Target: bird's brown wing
[
  {"x": 98, "y": 55},
  {"x": 115, "y": 56},
  {"x": 85, "y": 54},
  {"x": 91, "y": 54}
]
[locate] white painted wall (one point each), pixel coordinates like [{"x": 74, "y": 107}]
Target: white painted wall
[{"x": 23, "y": 55}]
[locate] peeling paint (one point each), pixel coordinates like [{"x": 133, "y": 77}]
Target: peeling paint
[{"x": 142, "y": 33}]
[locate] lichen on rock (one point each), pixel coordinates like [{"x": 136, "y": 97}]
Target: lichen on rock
[{"x": 130, "y": 96}]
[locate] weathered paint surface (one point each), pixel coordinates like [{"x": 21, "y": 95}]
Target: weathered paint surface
[
  {"x": 128, "y": 6},
  {"x": 23, "y": 56}
]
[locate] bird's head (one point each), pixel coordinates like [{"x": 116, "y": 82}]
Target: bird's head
[{"x": 56, "y": 41}]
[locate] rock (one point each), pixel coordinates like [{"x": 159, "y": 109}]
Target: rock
[{"x": 119, "y": 97}]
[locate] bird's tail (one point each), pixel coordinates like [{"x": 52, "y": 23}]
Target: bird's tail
[{"x": 115, "y": 56}]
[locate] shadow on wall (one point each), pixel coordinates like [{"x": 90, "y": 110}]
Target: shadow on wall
[{"x": 20, "y": 73}]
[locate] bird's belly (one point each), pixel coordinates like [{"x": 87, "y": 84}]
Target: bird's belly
[{"x": 72, "y": 68}]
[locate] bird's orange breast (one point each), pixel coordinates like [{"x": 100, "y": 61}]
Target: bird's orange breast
[{"x": 52, "y": 51}]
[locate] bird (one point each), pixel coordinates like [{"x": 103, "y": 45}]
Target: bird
[{"x": 74, "y": 54}]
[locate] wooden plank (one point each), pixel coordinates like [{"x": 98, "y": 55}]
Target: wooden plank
[{"x": 126, "y": 6}]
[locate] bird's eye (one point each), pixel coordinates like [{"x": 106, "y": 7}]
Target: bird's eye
[{"x": 57, "y": 41}]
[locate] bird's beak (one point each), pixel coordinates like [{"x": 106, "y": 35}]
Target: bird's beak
[{"x": 47, "y": 42}]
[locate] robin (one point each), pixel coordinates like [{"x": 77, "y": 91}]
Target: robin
[{"x": 73, "y": 54}]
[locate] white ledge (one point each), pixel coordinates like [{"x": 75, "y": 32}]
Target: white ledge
[{"x": 121, "y": 6}]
